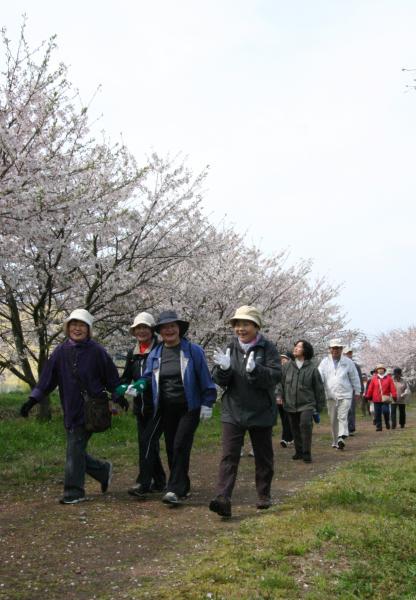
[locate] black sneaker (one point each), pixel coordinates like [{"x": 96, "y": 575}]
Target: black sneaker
[
  {"x": 307, "y": 458},
  {"x": 297, "y": 456},
  {"x": 340, "y": 443},
  {"x": 104, "y": 486},
  {"x": 72, "y": 499},
  {"x": 138, "y": 491},
  {"x": 264, "y": 503},
  {"x": 221, "y": 505},
  {"x": 157, "y": 489}
]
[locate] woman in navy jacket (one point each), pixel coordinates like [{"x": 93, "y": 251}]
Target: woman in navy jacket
[{"x": 183, "y": 392}]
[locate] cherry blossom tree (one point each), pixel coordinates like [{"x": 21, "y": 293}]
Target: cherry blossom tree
[
  {"x": 396, "y": 348},
  {"x": 81, "y": 224}
]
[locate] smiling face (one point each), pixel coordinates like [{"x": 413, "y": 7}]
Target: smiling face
[
  {"x": 246, "y": 331},
  {"x": 169, "y": 332},
  {"x": 78, "y": 331},
  {"x": 142, "y": 333},
  {"x": 336, "y": 352}
]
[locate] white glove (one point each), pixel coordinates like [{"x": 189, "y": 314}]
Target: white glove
[
  {"x": 251, "y": 363},
  {"x": 221, "y": 359},
  {"x": 206, "y": 413},
  {"x": 131, "y": 391}
]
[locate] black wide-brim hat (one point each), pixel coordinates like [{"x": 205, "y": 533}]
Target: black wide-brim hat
[{"x": 171, "y": 316}]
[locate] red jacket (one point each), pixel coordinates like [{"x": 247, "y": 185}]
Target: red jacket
[{"x": 386, "y": 383}]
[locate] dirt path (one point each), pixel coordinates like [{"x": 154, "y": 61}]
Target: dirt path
[{"x": 113, "y": 543}]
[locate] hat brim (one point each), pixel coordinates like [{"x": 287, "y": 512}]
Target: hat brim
[
  {"x": 183, "y": 325},
  {"x": 234, "y": 319}
]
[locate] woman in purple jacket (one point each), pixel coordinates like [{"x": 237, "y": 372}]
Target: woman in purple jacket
[{"x": 78, "y": 364}]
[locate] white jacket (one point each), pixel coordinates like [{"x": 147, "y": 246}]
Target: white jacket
[{"x": 341, "y": 382}]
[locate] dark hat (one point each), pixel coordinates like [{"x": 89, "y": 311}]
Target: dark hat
[
  {"x": 397, "y": 371},
  {"x": 170, "y": 316}
]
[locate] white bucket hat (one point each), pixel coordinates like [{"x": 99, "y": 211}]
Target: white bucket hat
[
  {"x": 79, "y": 314},
  {"x": 143, "y": 318},
  {"x": 247, "y": 313},
  {"x": 348, "y": 349},
  {"x": 336, "y": 343}
]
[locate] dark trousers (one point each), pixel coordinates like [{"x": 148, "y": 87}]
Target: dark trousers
[
  {"x": 178, "y": 426},
  {"x": 381, "y": 408},
  {"x": 302, "y": 425},
  {"x": 79, "y": 462},
  {"x": 232, "y": 442},
  {"x": 351, "y": 416},
  {"x": 158, "y": 474},
  {"x": 402, "y": 415},
  {"x": 286, "y": 428}
]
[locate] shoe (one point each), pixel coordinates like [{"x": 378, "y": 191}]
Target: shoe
[
  {"x": 307, "y": 458},
  {"x": 284, "y": 443},
  {"x": 379, "y": 429},
  {"x": 171, "y": 498},
  {"x": 387, "y": 425},
  {"x": 334, "y": 445},
  {"x": 72, "y": 499},
  {"x": 104, "y": 486},
  {"x": 138, "y": 491},
  {"x": 264, "y": 503},
  {"x": 351, "y": 433},
  {"x": 251, "y": 453},
  {"x": 340, "y": 444},
  {"x": 157, "y": 489},
  {"x": 221, "y": 505},
  {"x": 297, "y": 456}
]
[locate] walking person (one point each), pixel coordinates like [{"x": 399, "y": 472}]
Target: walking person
[
  {"x": 341, "y": 381},
  {"x": 78, "y": 366},
  {"x": 351, "y": 413},
  {"x": 403, "y": 391},
  {"x": 381, "y": 391},
  {"x": 183, "y": 392},
  {"x": 303, "y": 397},
  {"x": 287, "y": 436},
  {"x": 248, "y": 371},
  {"x": 143, "y": 330}
]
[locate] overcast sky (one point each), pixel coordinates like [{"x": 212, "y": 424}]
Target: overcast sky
[{"x": 300, "y": 108}]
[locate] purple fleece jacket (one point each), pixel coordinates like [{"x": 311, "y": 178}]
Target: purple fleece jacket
[{"x": 95, "y": 369}]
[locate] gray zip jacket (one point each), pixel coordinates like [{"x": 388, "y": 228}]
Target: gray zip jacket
[{"x": 303, "y": 388}]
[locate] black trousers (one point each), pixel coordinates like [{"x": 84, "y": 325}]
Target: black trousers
[
  {"x": 302, "y": 425},
  {"x": 287, "y": 435},
  {"x": 232, "y": 442},
  {"x": 402, "y": 414},
  {"x": 178, "y": 425},
  {"x": 158, "y": 473},
  {"x": 381, "y": 409}
]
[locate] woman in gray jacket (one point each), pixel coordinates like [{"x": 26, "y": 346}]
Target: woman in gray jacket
[{"x": 303, "y": 396}]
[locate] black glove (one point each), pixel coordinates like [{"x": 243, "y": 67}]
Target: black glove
[
  {"x": 26, "y": 407},
  {"x": 123, "y": 403}
]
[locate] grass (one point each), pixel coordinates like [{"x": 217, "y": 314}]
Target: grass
[
  {"x": 32, "y": 451},
  {"x": 349, "y": 535}
]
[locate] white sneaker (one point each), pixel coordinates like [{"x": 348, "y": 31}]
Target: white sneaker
[{"x": 170, "y": 498}]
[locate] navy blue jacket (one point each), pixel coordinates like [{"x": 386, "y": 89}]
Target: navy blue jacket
[
  {"x": 95, "y": 368},
  {"x": 197, "y": 381}
]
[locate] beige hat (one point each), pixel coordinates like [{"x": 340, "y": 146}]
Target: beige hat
[
  {"x": 79, "y": 314},
  {"x": 143, "y": 318},
  {"x": 336, "y": 343},
  {"x": 247, "y": 313},
  {"x": 347, "y": 349},
  {"x": 380, "y": 366}
]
